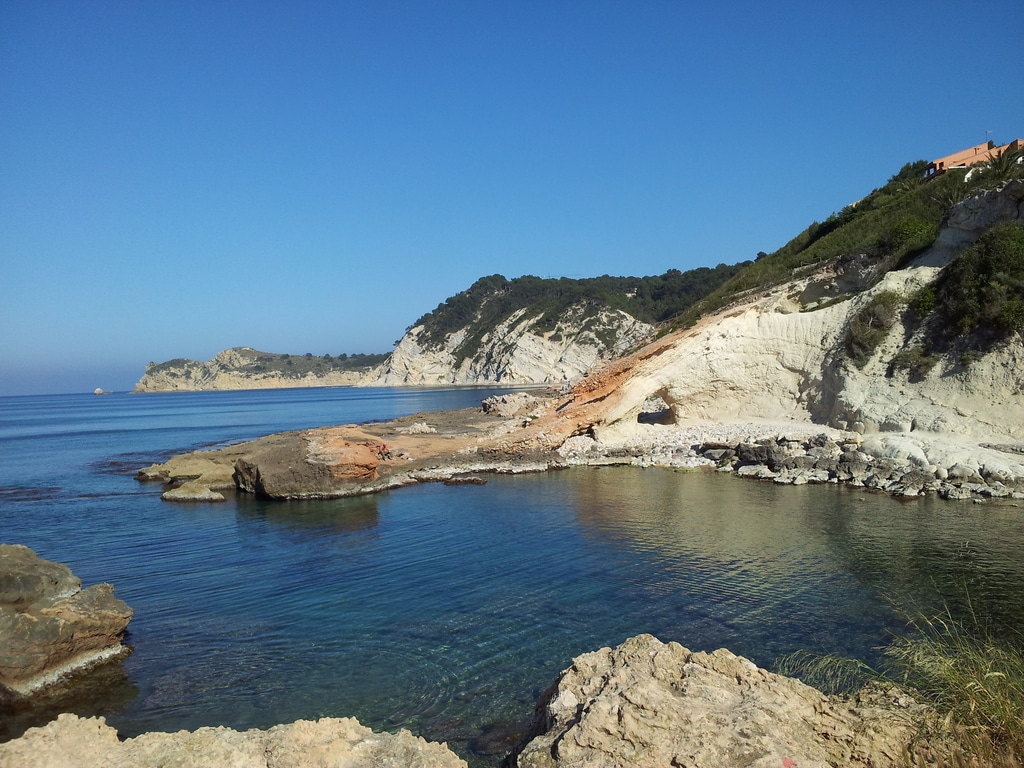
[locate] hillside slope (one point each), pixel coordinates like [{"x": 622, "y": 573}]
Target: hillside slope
[
  {"x": 530, "y": 330},
  {"x": 786, "y": 354},
  {"x": 527, "y": 330}
]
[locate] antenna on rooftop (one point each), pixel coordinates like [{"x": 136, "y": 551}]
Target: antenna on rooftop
[{"x": 987, "y": 139}]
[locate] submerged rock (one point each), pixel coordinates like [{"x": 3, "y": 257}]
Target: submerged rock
[
  {"x": 648, "y": 703},
  {"x": 75, "y": 742},
  {"x": 49, "y": 625}
]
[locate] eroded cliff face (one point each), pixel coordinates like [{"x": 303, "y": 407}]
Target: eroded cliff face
[
  {"x": 775, "y": 357},
  {"x": 513, "y": 353}
]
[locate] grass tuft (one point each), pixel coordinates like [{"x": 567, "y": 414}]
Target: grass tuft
[
  {"x": 971, "y": 675},
  {"x": 974, "y": 678}
]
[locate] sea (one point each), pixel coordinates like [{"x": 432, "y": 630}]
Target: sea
[{"x": 448, "y": 610}]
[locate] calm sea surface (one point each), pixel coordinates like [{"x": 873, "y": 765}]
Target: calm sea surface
[{"x": 445, "y": 610}]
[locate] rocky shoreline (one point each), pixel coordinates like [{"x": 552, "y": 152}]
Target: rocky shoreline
[
  {"x": 643, "y": 703},
  {"x": 793, "y": 453},
  {"x": 527, "y": 432},
  {"x": 88, "y": 742}
]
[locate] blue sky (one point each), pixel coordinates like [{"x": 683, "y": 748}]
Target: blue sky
[{"x": 181, "y": 177}]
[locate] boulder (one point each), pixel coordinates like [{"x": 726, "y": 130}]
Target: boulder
[
  {"x": 648, "y": 703},
  {"x": 192, "y": 490},
  {"x": 315, "y": 463},
  {"x": 26, "y": 579},
  {"x": 49, "y": 625},
  {"x": 719, "y": 454},
  {"x": 768, "y": 454},
  {"x": 508, "y": 405},
  {"x": 75, "y": 742}
]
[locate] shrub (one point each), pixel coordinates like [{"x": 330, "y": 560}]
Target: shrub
[
  {"x": 1005, "y": 165},
  {"x": 949, "y": 189},
  {"x": 871, "y": 325},
  {"x": 915, "y": 360},
  {"x": 908, "y": 236},
  {"x": 922, "y": 302},
  {"x": 982, "y": 291}
]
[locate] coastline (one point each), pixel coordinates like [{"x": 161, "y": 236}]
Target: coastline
[
  {"x": 500, "y": 437},
  {"x": 525, "y": 432}
]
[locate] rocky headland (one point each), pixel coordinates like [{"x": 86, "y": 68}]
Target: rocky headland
[
  {"x": 50, "y": 626},
  {"x": 247, "y": 368},
  {"x": 764, "y": 386},
  {"x": 512, "y": 353},
  {"x": 523, "y": 331}
]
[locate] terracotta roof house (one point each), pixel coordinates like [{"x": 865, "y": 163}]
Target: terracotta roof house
[{"x": 981, "y": 153}]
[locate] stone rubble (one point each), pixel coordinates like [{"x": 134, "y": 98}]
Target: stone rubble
[{"x": 793, "y": 453}]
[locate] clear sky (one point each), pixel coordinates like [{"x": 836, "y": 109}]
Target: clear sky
[{"x": 179, "y": 177}]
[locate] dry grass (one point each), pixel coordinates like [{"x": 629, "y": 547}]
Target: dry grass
[
  {"x": 975, "y": 680},
  {"x": 973, "y": 677}
]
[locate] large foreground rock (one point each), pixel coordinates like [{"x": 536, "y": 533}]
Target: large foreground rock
[
  {"x": 49, "y": 625},
  {"x": 75, "y": 742},
  {"x": 648, "y": 703}
]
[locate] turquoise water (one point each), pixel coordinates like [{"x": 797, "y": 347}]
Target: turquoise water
[{"x": 446, "y": 610}]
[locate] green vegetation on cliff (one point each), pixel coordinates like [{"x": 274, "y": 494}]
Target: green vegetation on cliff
[
  {"x": 981, "y": 292},
  {"x": 888, "y": 228},
  {"x": 492, "y": 300},
  {"x": 252, "y": 362},
  {"x": 891, "y": 225}
]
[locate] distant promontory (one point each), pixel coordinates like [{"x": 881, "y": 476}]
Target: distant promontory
[{"x": 247, "y": 368}]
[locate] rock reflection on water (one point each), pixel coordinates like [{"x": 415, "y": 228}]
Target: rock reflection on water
[
  {"x": 802, "y": 550},
  {"x": 338, "y": 516}
]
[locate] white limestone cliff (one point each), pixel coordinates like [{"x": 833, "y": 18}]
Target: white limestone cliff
[
  {"x": 513, "y": 353},
  {"x": 767, "y": 358}
]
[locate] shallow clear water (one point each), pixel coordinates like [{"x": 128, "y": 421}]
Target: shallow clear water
[{"x": 446, "y": 610}]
